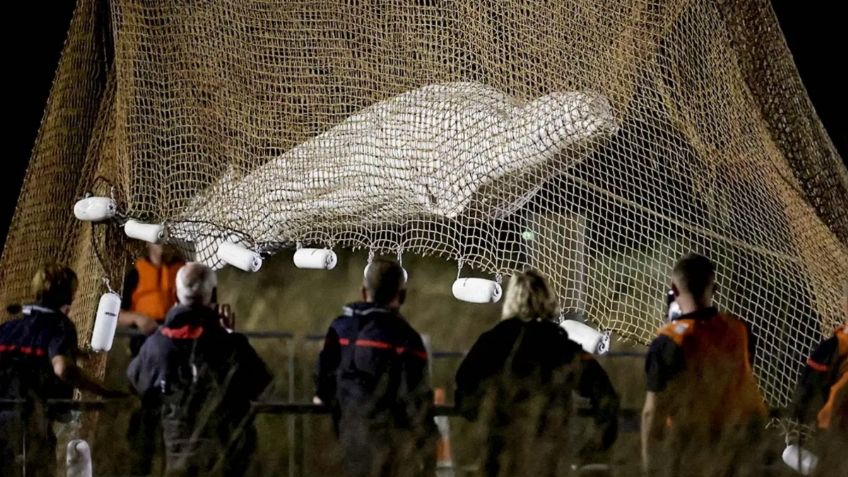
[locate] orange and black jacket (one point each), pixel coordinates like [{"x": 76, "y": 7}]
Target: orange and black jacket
[
  {"x": 151, "y": 290},
  {"x": 822, "y": 393},
  {"x": 702, "y": 363}
]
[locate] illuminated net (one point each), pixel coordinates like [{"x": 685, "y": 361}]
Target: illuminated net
[{"x": 595, "y": 140}]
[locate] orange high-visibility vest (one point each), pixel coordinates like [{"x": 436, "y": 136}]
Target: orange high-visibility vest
[
  {"x": 716, "y": 391},
  {"x": 834, "y": 414},
  {"x": 156, "y": 291}
]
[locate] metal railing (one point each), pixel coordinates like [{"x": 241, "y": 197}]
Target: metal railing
[{"x": 293, "y": 409}]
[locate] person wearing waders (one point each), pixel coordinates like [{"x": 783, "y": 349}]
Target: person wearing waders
[
  {"x": 517, "y": 381},
  {"x": 203, "y": 378},
  {"x": 822, "y": 398},
  {"x": 38, "y": 352},
  {"x": 372, "y": 372},
  {"x": 703, "y": 413},
  {"x": 149, "y": 292}
]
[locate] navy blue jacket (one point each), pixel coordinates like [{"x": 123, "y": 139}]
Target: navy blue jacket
[
  {"x": 205, "y": 379},
  {"x": 374, "y": 366},
  {"x": 27, "y": 346}
]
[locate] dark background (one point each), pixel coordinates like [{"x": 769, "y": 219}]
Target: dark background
[{"x": 35, "y": 31}]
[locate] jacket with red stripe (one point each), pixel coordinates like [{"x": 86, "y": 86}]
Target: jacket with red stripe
[
  {"x": 27, "y": 346},
  {"x": 205, "y": 379},
  {"x": 342, "y": 331},
  {"x": 374, "y": 367}
]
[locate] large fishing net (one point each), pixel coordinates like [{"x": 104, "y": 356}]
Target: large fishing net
[{"x": 597, "y": 141}]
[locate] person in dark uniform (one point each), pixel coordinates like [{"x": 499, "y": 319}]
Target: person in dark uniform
[
  {"x": 518, "y": 379},
  {"x": 372, "y": 372},
  {"x": 37, "y": 363},
  {"x": 703, "y": 410},
  {"x": 822, "y": 397},
  {"x": 204, "y": 378}
]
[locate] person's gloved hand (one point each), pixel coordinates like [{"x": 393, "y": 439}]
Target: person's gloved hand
[{"x": 227, "y": 317}]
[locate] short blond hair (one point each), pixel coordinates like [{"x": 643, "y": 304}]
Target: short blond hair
[
  {"x": 528, "y": 296},
  {"x": 54, "y": 285}
]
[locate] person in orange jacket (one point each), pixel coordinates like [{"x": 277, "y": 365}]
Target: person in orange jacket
[
  {"x": 150, "y": 291},
  {"x": 822, "y": 397},
  {"x": 703, "y": 410}
]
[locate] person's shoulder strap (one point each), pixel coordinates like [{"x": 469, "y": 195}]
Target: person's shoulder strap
[{"x": 142, "y": 262}]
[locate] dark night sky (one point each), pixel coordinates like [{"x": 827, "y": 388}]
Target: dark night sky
[{"x": 34, "y": 41}]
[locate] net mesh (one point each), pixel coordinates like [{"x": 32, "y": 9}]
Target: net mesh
[{"x": 595, "y": 140}]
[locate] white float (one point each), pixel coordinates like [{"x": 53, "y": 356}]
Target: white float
[
  {"x": 106, "y": 321},
  {"x": 95, "y": 209},
  {"x": 799, "y": 459},
  {"x": 146, "y": 232},
  {"x": 477, "y": 290},
  {"x": 315, "y": 259},
  {"x": 239, "y": 257},
  {"x": 78, "y": 459},
  {"x": 674, "y": 311},
  {"x": 592, "y": 340}
]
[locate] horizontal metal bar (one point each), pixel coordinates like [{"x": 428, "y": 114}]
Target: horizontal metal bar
[
  {"x": 447, "y": 354},
  {"x": 624, "y": 354},
  {"x": 268, "y": 334},
  {"x": 629, "y": 418}
]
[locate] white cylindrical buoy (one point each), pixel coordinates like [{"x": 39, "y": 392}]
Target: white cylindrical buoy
[
  {"x": 239, "y": 257},
  {"x": 147, "y": 232},
  {"x": 315, "y": 259},
  {"x": 95, "y": 209},
  {"x": 592, "y": 340},
  {"x": 799, "y": 459},
  {"x": 78, "y": 459},
  {"x": 477, "y": 290},
  {"x": 106, "y": 321}
]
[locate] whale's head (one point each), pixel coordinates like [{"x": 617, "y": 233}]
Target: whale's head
[{"x": 546, "y": 125}]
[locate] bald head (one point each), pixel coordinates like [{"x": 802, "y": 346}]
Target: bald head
[
  {"x": 195, "y": 284},
  {"x": 694, "y": 275},
  {"x": 384, "y": 283}
]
